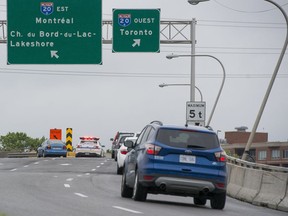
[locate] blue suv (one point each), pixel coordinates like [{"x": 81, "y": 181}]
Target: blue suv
[{"x": 174, "y": 160}]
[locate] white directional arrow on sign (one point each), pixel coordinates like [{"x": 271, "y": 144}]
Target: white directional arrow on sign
[
  {"x": 54, "y": 54},
  {"x": 136, "y": 42}
]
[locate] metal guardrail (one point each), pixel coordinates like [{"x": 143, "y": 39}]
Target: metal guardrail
[
  {"x": 22, "y": 155},
  {"x": 258, "y": 166}
]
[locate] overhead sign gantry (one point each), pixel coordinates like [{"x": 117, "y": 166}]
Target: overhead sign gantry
[{"x": 54, "y": 32}]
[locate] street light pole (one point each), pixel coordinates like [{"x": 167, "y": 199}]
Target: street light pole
[
  {"x": 222, "y": 84},
  {"x": 262, "y": 107},
  {"x": 252, "y": 134},
  {"x": 193, "y": 44}
]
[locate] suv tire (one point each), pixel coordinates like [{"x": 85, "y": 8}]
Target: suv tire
[
  {"x": 139, "y": 192},
  {"x": 218, "y": 201},
  {"x": 125, "y": 190},
  {"x": 200, "y": 201},
  {"x": 119, "y": 170}
]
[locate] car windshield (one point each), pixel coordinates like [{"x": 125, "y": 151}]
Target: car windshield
[
  {"x": 187, "y": 139},
  {"x": 56, "y": 142}
]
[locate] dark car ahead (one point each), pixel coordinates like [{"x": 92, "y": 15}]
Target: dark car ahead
[
  {"x": 173, "y": 160},
  {"x": 52, "y": 147}
]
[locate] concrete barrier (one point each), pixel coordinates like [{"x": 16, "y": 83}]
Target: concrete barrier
[
  {"x": 258, "y": 184},
  {"x": 273, "y": 190},
  {"x": 283, "y": 206},
  {"x": 237, "y": 174},
  {"x": 251, "y": 185}
]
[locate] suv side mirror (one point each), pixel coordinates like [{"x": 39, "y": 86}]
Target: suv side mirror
[{"x": 129, "y": 143}]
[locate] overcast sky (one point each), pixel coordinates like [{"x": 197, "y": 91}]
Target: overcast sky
[{"x": 246, "y": 35}]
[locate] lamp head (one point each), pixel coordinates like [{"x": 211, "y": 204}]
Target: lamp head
[
  {"x": 171, "y": 56},
  {"x": 195, "y": 2}
]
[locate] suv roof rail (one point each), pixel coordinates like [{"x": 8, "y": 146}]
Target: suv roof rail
[
  {"x": 156, "y": 122},
  {"x": 209, "y": 128}
]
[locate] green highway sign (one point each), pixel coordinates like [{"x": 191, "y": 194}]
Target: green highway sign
[
  {"x": 54, "y": 32},
  {"x": 136, "y": 30}
]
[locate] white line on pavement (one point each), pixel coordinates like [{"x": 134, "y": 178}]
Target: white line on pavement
[
  {"x": 93, "y": 170},
  {"x": 128, "y": 210},
  {"x": 36, "y": 163},
  {"x": 26, "y": 166},
  {"x": 81, "y": 195},
  {"x": 66, "y": 164},
  {"x": 69, "y": 179},
  {"x": 66, "y": 185},
  {"x": 12, "y": 170}
]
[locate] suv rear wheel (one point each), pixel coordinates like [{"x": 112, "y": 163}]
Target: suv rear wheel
[
  {"x": 125, "y": 190},
  {"x": 200, "y": 201},
  {"x": 139, "y": 192},
  {"x": 218, "y": 201}
]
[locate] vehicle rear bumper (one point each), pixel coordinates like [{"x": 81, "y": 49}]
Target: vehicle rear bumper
[
  {"x": 87, "y": 153},
  {"x": 174, "y": 184},
  {"x": 55, "y": 153}
]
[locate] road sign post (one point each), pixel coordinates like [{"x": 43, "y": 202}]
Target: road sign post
[
  {"x": 136, "y": 30},
  {"x": 54, "y": 32},
  {"x": 196, "y": 113}
]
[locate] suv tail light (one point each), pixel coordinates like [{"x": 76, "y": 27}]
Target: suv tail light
[
  {"x": 220, "y": 156},
  {"x": 152, "y": 149}
]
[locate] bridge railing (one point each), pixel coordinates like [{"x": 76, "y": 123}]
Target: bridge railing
[{"x": 243, "y": 163}]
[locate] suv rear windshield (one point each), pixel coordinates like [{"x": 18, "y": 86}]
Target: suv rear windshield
[{"x": 187, "y": 139}]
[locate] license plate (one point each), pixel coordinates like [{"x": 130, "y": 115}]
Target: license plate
[{"x": 187, "y": 159}]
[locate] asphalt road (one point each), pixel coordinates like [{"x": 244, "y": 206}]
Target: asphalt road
[{"x": 90, "y": 186}]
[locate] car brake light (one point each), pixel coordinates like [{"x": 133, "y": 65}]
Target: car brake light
[
  {"x": 78, "y": 146},
  {"x": 221, "y": 156},
  {"x": 152, "y": 149},
  {"x": 124, "y": 152},
  {"x": 220, "y": 185}
]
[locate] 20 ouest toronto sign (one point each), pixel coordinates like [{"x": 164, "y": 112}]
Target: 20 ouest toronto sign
[
  {"x": 136, "y": 30},
  {"x": 54, "y": 32}
]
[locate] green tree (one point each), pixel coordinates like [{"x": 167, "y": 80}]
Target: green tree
[
  {"x": 19, "y": 141},
  {"x": 34, "y": 143}
]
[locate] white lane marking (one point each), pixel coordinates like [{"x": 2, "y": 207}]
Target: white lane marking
[
  {"x": 26, "y": 166},
  {"x": 87, "y": 174},
  {"x": 55, "y": 176},
  {"x": 128, "y": 210},
  {"x": 67, "y": 164},
  {"x": 66, "y": 185},
  {"x": 101, "y": 163},
  {"x": 12, "y": 170},
  {"x": 81, "y": 195},
  {"x": 79, "y": 175},
  {"x": 93, "y": 170},
  {"x": 69, "y": 179},
  {"x": 98, "y": 166},
  {"x": 36, "y": 163}
]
